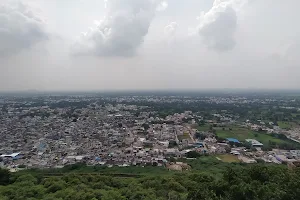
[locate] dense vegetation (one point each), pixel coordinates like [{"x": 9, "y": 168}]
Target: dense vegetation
[{"x": 209, "y": 179}]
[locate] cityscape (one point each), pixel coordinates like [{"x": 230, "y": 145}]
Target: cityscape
[
  {"x": 52, "y": 131},
  {"x": 149, "y": 100}
]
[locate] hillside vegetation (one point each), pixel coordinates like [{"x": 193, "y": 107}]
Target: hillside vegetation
[{"x": 209, "y": 179}]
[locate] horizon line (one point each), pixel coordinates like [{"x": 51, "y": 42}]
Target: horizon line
[{"x": 155, "y": 90}]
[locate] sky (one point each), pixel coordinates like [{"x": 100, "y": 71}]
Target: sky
[{"x": 84, "y": 45}]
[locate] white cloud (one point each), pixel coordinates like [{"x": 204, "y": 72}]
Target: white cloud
[
  {"x": 20, "y": 28},
  {"x": 162, "y": 5},
  {"x": 121, "y": 31},
  {"x": 218, "y": 26},
  {"x": 170, "y": 29}
]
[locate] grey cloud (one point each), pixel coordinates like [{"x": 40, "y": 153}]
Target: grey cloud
[
  {"x": 218, "y": 26},
  {"x": 20, "y": 28},
  {"x": 121, "y": 31}
]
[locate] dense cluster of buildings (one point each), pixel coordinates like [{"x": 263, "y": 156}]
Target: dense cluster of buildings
[
  {"x": 47, "y": 136},
  {"x": 54, "y": 132}
]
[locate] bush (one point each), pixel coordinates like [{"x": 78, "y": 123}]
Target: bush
[
  {"x": 193, "y": 154},
  {"x": 4, "y": 177}
]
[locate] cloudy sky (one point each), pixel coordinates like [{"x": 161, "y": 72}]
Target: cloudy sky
[{"x": 149, "y": 44}]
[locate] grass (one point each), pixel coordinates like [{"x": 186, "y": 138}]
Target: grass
[
  {"x": 284, "y": 125},
  {"x": 295, "y": 114},
  {"x": 243, "y": 133},
  {"x": 203, "y": 128},
  {"x": 229, "y": 158},
  {"x": 184, "y": 136}
]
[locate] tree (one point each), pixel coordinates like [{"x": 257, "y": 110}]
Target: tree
[
  {"x": 4, "y": 177},
  {"x": 210, "y": 179},
  {"x": 172, "y": 159},
  {"x": 200, "y": 136},
  {"x": 204, "y": 194},
  {"x": 146, "y": 126},
  {"x": 266, "y": 148},
  {"x": 248, "y": 145},
  {"x": 214, "y": 131},
  {"x": 227, "y": 149},
  {"x": 172, "y": 144},
  {"x": 220, "y": 139},
  {"x": 201, "y": 123},
  {"x": 253, "y": 149},
  {"x": 193, "y": 154}
]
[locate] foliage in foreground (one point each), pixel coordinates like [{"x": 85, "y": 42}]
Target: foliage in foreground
[{"x": 240, "y": 183}]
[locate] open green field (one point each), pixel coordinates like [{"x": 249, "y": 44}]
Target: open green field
[
  {"x": 243, "y": 133},
  {"x": 228, "y": 158},
  {"x": 284, "y": 125},
  {"x": 203, "y": 128},
  {"x": 184, "y": 136}
]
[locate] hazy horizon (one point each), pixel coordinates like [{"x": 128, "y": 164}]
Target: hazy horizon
[
  {"x": 149, "y": 45},
  {"x": 187, "y": 90}
]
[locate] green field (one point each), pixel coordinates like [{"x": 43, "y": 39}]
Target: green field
[
  {"x": 295, "y": 114},
  {"x": 284, "y": 125},
  {"x": 203, "y": 128},
  {"x": 184, "y": 136},
  {"x": 228, "y": 158},
  {"x": 242, "y": 133}
]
